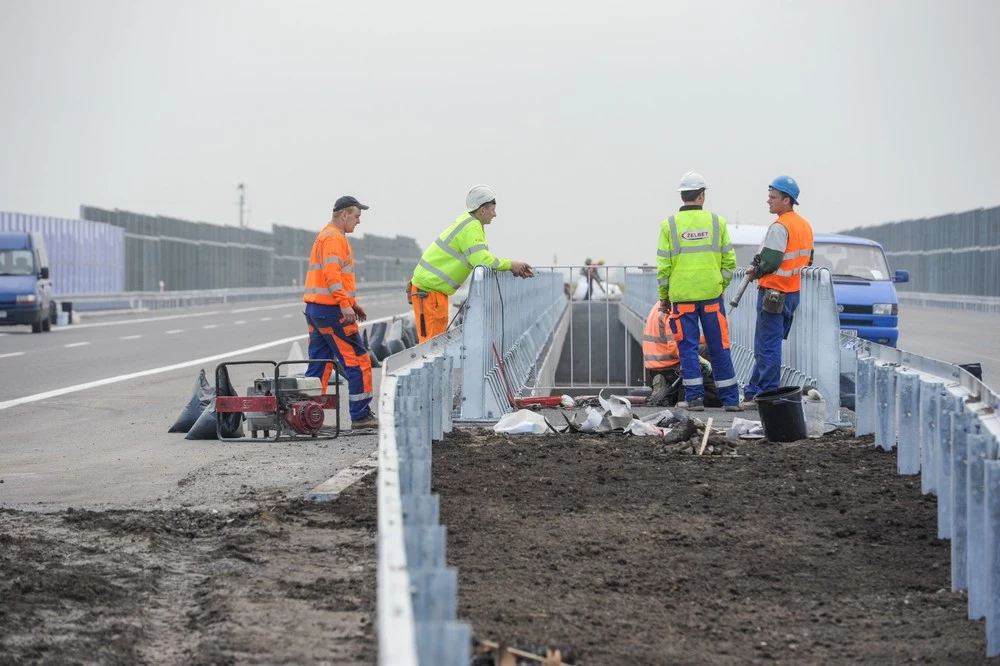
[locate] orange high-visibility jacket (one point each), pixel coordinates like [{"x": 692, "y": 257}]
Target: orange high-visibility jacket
[
  {"x": 330, "y": 277},
  {"x": 800, "y": 246},
  {"x": 658, "y": 347}
]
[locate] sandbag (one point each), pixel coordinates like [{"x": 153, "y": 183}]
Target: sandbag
[
  {"x": 409, "y": 333},
  {"x": 378, "y": 340},
  {"x": 371, "y": 354},
  {"x": 200, "y": 399},
  {"x": 231, "y": 423}
]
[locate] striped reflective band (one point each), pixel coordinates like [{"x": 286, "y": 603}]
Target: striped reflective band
[
  {"x": 693, "y": 382},
  {"x": 355, "y": 397},
  {"x": 439, "y": 273},
  {"x": 722, "y": 383},
  {"x": 799, "y": 253},
  {"x": 476, "y": 248},
  {"x": 659, "y": 357},
  {"x": 794, "y": 271},
  {"x": 332, "y": 260},
  {"x": 676, "y": 241},
  {"x": 452, "y": 252},
  {"x": 727, "y": 274}
]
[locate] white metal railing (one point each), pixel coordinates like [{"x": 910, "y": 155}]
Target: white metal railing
[
  {"x": 944, "y": 425},
  {"x": 511, "y": 318},
  {"x": 156, "y": 300},
  {"x": 417, "y": 598}
]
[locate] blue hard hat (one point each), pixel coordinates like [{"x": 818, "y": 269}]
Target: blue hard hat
[{"x": 787, "y": 185}]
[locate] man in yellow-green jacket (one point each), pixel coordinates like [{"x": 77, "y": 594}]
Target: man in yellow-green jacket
[
  {"x": 694, "y": 264},
  {"x": 447, "y": 263}
]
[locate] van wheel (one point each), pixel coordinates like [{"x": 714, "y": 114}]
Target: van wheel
[
  {"x": 47, "y": 324},
  {"x": 36, "y": 327}
]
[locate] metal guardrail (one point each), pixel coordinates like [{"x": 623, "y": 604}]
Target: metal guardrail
[
  {"x": 519, "y": 318},
  {"x": 944, "y": 425},
  {"x": 160, "y": 300},
  {"x": 417, "y": 593},
  {"x": 810, "y": 355},
  {"x": 951, "y": 301}
]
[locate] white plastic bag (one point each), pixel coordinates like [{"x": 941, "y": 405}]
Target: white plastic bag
[{"x": 522, "y": 421}]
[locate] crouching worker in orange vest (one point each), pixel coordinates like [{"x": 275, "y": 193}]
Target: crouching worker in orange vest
[
  {"x": 447, "y": 263},
  {"x": 663, "y": 364},
  {"x": 332, "y": 311}
]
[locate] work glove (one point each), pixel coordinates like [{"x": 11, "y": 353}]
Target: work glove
[{"x": 665, "y": 305}]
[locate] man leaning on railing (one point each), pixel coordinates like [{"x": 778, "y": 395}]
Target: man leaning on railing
[{"x": 447, "y": 263}]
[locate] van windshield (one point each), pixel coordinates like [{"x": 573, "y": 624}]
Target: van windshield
[
  {"x": 865, "y": 262},
  {"x": 17, "y": 262}
]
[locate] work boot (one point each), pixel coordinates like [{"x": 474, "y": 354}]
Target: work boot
[
  {"x": 749, "y": 404},
  {"x": 733, "y": 408},
  {"x": 695, "y": 405},
  {"x": 367, "y": 422},
  {"x": 658, "y": 397}
]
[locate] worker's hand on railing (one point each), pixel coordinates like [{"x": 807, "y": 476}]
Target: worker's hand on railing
[
  {"x": 360, "y": 312},
  {"x": 521, "y": 269},
  {"x": 349, "y": 316},
  {"x": 665, "y": 305}
]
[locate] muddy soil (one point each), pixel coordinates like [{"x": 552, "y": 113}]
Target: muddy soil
[
  {"x": 619, "y": 550},
  {"x": 278, "y": 583}
]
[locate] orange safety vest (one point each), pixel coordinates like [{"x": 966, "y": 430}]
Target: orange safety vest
[
  {"x": 658, "y": 347},
  {"x": 800, "y": 245},
  {"x": 330, "y": 277}
]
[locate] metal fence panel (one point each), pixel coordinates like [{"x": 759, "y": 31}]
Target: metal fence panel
[{"x": 84, "y": 256}]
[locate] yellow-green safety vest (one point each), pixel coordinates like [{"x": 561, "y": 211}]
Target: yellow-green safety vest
[
  {"x": 447, "y": 263},
  {"x": 695, "y": 258}
]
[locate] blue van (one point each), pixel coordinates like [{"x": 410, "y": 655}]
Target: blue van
[
  {"x": 863, "y": 286},
  {"x": 25, "y": 287}
]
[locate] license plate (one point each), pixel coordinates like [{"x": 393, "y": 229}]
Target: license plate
[{"x": 849, "y": 332}]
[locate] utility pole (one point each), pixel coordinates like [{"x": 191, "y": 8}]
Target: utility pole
[{"x": 242, "y": 188}]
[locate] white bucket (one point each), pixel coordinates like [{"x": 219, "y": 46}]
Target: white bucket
[
  {"x": 815, "y": 415},
  {"x": 62, "y": 318}
]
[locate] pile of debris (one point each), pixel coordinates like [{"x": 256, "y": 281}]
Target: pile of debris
[{"x": 673, "y": 428}]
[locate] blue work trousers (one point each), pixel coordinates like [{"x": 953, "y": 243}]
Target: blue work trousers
[
  {"x": 688, "y": 322},
  {"x": 330, "y": 338},
  {"x": 771, "y": 329}
]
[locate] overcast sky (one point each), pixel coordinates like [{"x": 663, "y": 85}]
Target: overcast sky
[{"x": 582, "y": 115}]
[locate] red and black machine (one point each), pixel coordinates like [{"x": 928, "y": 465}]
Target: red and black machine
[{"x": 288, "y": 406}]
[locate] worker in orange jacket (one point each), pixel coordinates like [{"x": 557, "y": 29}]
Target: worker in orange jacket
[
  {"x": 332, "y": 311},
  {"x": 662, "y": 361}
]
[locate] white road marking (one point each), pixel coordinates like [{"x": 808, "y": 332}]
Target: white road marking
[
  {"x": 157, "y": 371},
  {"x": 130, "y": 337},
  {"x": 240, "y": 321},
  {"x": 285, "y": 316},
  {"x": 11, "y": 354},
  {"x": 175, "y": 330},
  {"x": 76, "y": 344},
  {"x": 142, "y": 373},
  {"x": 144, "y": 320},
  {"x": 297, "y": 304},
  {"x": 210, "y": 326},
  {"x": 265, "y": 319}
]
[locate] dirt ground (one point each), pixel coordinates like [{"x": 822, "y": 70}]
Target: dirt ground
[
  {"x": 278, "y": 583},
  {"x": 624, "y": 551}
]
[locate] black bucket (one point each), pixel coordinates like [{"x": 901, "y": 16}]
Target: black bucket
[{"x": 781, "y": 414}]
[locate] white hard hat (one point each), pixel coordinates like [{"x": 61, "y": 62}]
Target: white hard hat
[
  {"x": 691, "y": 181},
  {"x": 479, "y": 195}
]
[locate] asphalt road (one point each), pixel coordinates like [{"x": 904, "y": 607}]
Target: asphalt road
[
  {"x": 953, "y": 336},
  {"x": 84, "y": 410}
]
